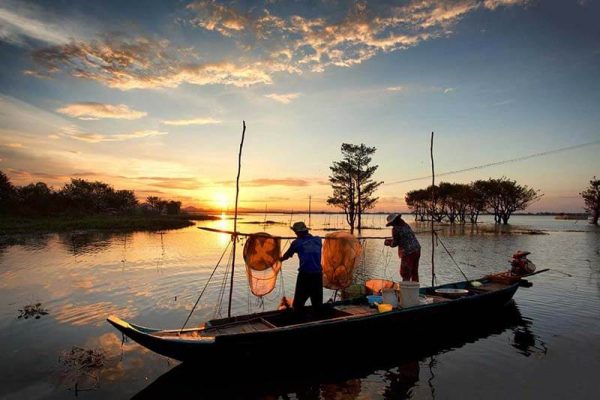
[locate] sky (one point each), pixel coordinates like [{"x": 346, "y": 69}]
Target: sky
[{"x": 151, "y": 95}]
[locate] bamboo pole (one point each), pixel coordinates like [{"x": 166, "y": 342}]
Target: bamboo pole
[
  {"x": 245, "y": 234},
  {"x": 432, "y": 218},
  {"x": 235, "y": 217}
]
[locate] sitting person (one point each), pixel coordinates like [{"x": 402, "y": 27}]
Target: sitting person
[{"x": 520, "y": 264}]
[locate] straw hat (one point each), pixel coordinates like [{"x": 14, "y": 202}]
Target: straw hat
[
  {"x": 391, "y": 218},
  {"x": 299, "y": 227},
  {"x": 521, "y": 253}
]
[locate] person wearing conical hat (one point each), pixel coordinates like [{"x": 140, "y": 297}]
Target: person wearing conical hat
[
  {"x": 520, "y": 264},
  {"x": 409, "y": 249},
  {"x": 309, "y": 283}
]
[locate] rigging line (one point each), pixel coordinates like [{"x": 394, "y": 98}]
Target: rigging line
[
  {"x": 205, "y": 286},
  {"x": 452, "y": 258},
  {"x": 493, "y": 164},
  {"x": 221, "y": 294}
]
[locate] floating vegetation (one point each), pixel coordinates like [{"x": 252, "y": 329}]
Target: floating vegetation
[
  {"x": 267, "y": 222},
  {"x": 81, "y": 367},
  {"x": 32, "y": 310}
]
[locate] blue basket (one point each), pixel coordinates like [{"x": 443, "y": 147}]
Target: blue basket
[{"x": 374, "y": 299}]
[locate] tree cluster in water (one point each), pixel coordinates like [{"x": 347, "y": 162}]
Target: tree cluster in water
[
  {"x": 459, "y": 202},
  {"x": 79, "y": 197},
  {"x": 591, "y": 197}
]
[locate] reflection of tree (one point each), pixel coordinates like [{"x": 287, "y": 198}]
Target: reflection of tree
[
  {"x": 29, "y": 242},
  {"x": 90, "y": 242}
]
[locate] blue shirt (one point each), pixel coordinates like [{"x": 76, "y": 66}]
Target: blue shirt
[{"x": 308, "y": 249}]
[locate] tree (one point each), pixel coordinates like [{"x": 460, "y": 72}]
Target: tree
[
  {"x": 155, "y": 203},
  {"x": 123, "y": 200},
  {"x": 476, "y": 200},
  {"x": 173, "y": 207},
  {"x": 36, "y": 199},
  {"x": 418, "y": 201},
  {"x": 343, "y": 190},
  {"x": 513, "y": 197},
  {"x": 7, "y": 192},
  {"x": 87, "y": 196},
  {"x": 591, "y": 196},
  {"x": 352, "y": 183}
]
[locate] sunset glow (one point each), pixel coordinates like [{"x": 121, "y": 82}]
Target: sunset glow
[{"x": 152, "y": 98}]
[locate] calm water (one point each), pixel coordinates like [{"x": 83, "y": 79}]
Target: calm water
[{"x": 545, "y": 346}]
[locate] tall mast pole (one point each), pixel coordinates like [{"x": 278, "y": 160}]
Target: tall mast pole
[
  {"x": 235, "y": 217},
  {"x": 432, "y": 216}
]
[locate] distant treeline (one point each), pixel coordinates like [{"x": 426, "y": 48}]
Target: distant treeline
[
  {"x": 459, "y": 202},
  {"x": 79, "y": 197}
]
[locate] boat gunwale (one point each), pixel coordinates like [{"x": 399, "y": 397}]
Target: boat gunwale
[{"x": 214, "y": 339}]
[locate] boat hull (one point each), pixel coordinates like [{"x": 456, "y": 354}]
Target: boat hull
[{"x": 300, "y": 340}]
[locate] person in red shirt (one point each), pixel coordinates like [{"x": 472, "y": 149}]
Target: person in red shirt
[{"x": 409, "y": 249}]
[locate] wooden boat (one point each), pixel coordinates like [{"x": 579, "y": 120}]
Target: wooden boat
[
  {"x": 256, "y": 335},
  {"x": 328, "y": 330}
]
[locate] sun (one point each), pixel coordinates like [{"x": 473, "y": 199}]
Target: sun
[{"x": 220, "y": 201}]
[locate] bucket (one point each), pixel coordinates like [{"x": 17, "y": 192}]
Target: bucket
[
  {"x": 390, "y": 296},
  {"x": 409, "y": 294}
]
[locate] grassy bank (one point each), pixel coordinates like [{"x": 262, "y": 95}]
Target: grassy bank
[{"x": 10, "y": 225}]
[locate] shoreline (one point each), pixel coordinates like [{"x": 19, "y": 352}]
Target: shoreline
[{"x": 131, "y": 223}]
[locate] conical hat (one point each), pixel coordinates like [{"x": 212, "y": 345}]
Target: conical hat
[{"x": 521, "y": 253}]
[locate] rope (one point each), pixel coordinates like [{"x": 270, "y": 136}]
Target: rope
[
  {"x": 223, "y": 285},
  {"x": 452, "y": 258},
  {"x": 205, "y": 286}
]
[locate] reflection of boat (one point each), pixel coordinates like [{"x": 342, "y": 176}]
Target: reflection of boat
[
  {"x": 263, "y": 378},
  {"x": 254, "y": 334}
]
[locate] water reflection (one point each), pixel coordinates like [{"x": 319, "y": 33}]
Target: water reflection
[
  {"x": 345, "y": 373},
  {"x": 154, "y": 279},
  {"x": 526, "y": 341},
  {"x": 92, "y": 241}
]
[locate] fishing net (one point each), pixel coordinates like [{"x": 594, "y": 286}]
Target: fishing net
[
  {"x": 261, "y": 255},
  {"x": 341, "y": 252}
]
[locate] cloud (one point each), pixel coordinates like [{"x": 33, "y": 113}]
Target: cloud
[
  {"x": 185, "y": 183},
  {"x": 140, "y": 63},
  {"x": 346, "y": 37},
  {"x": 14, "y": 145},
  {"x": 98, "y": 137},
  {"x": 193, "y": 121},
  {"x": 215, "y": 17},
  {"x": 262, "y": 43},
  {"x": 493, "y": 4},
  {"x": 276, "y": 182},
  {"x": 284, "y": 98},
  {"x": 395, "y": 89},
  {"x": 19, "y": 27},
  {"x": 95, "y": 111}
]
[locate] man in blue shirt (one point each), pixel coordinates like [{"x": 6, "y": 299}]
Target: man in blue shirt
[{"x": 310, "y": 274}]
